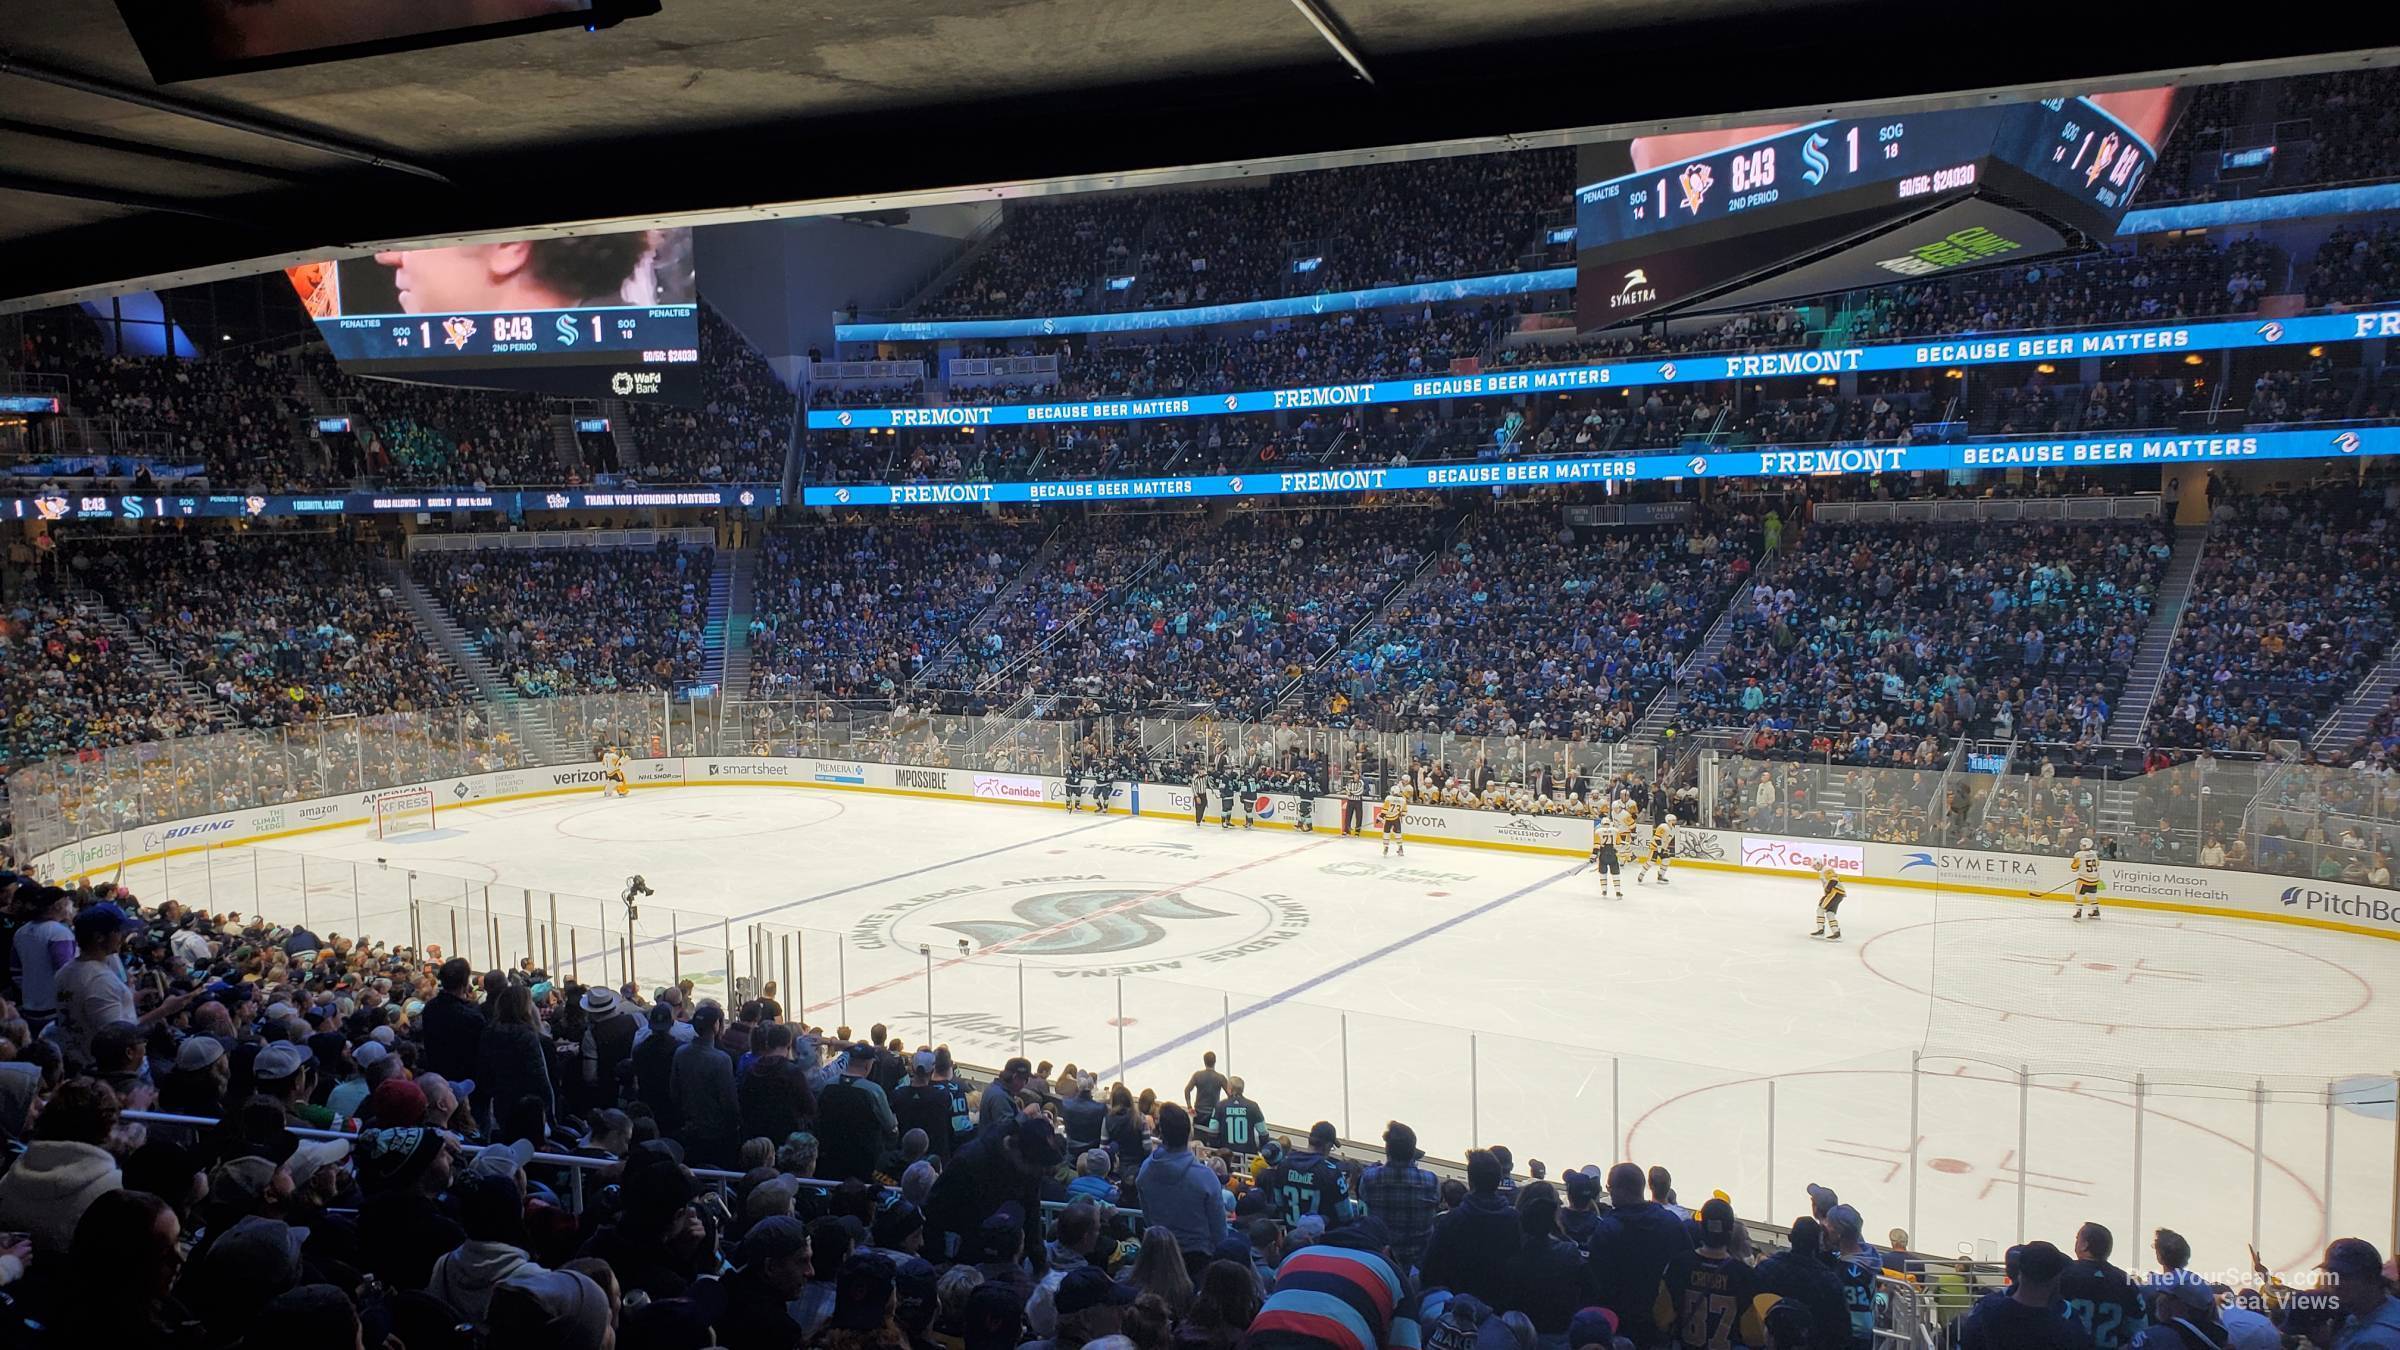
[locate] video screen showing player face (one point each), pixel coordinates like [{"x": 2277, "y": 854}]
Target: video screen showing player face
[{"x": 643, "y": 267}]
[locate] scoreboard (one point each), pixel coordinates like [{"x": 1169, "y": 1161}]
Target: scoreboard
[
  {"x": 589, "y": 315},
  {"x": 1681, "y": 234},
  {"x": 650, "y": 334}
]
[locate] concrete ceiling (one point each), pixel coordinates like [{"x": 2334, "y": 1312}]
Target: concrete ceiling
[{"x": 721, "y": 106}]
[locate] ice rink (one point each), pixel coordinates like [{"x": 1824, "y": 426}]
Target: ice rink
[{"x": 2148, "y": 1069}]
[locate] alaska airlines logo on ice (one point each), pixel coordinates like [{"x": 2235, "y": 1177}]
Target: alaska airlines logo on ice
[
  {"x": 1076, "y": 924},
  {"x": 1083, "y": 923}
]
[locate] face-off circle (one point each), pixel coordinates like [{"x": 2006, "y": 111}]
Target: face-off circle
[{"x": 2087, "y": 974}]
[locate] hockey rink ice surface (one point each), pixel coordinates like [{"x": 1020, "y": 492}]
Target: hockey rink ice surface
[{"x": 1483, "y": 997}]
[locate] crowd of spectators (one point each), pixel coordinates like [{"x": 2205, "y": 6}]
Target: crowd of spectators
[
  {"x": 2294, "y": 601},
  {"x": 1061, "y": 592},
  {"x": 2356, "y": 265},
  {"x": 433, "y": 434},
  {"x": 2188, "y": 278},
  {"x": 242, "y": 416},
  {"x": 1884, "y": 641},
  {"x": 234, "y": 415},
  {"x": 2353, "y": 122},
  {"x": 68, "y": 687},
  {"x": 740, "y": 431},
  {"x": 1131, "y": 610},
  {"x": 744, "y": 1179},
  {"x": 1372, "y": 225},
  {"x": 279, "y": 627},
  {"x": 859, "y": 611},
  {"x": 579, "y": 620},
  {"x": 1531, "y": 626}
]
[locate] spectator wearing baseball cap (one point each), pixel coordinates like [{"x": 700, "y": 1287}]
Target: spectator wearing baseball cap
[
  {"x": 922, "y": 1104},
  {"x": 2184, "y": 1317},
  {"x": 771, "y": 1268},
  {"x": 2370, "y": 1315},
  {"x": 1002, "y": 1166},
  {"x": 1554, "y": 1281},
  {"x": 91, "y": 988},
  {"x": 1089, "y": 1305},
  {"x": 1800, "y": 1276},
  {"x": 284, "y": 1072},
  {"x": 403, "y": 1171},
  {"x": 491, "y": 1208},
  {"x": 865, "y": 1295},
  {"x": 550, "y": 1309},
  {"x": 999, "y": 1100},
  {"x": 2027, "y": 1316},
  {"x": 855, "y": 1125}
]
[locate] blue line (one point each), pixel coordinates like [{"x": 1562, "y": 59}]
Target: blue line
[{"x": 1203, "y": 1031}]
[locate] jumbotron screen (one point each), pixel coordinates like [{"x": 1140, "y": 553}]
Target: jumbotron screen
[
  {"x": 1759, "y": 215},
  {"x": 626, "y": 302}
]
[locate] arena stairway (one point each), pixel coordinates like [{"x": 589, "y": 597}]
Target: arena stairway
[
  {"x": 947, "y": 658},
  {"x": 1373, "y": 621},
  {"x": 2349, "y": 722},
  {"x": 620, "y": 430},
  {"x": 1651, "y": 727},
  {"x": 93, "y": 607},
  {"x": 2149, "y": 673},
  {"x": 733, "y": 662},
  {"x": 469, "y": 668},
  {"x": 564, "y": 446},
  {"x": 713, "y": 630}
]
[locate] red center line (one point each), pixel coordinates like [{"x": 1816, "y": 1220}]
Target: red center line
[{"x": 1064, "y": 925}]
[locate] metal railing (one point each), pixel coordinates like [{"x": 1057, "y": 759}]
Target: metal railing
[{"x": 1322, "y": 1058}]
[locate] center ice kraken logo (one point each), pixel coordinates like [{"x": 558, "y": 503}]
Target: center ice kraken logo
[
  {"x": 1098, "y": 922},
  {"x": 1085, "y": 924}
]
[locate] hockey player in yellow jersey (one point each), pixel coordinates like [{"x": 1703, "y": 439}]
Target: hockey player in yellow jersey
[
  {"x": 612, "y": 770},
  {"x": 2085, "y": 866},
  {"x": 1658, "y": 850},
  {"x": 1829, "y": 905},
  {"x": 1607, "y": 860},
  {"x": 1395, "y": 813}
]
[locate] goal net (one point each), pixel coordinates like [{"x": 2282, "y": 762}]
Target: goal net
[{"x": 404, "y": 812}]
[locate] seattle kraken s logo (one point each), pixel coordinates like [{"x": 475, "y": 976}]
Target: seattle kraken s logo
[
  {"x": 1083, "y": 923},
  {"x": 1812, "y": 154},
  {"x": 566, "y": 330}
]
